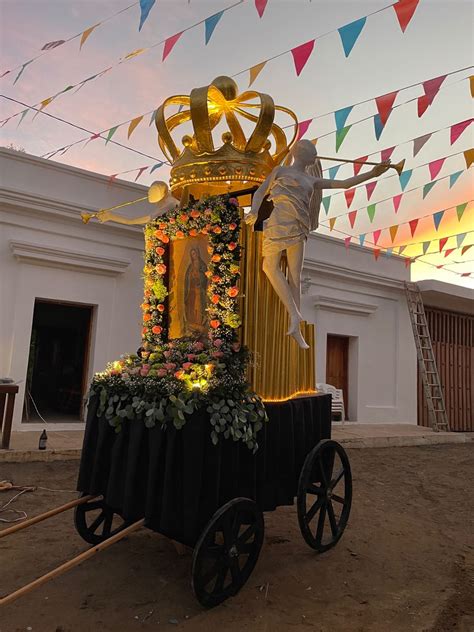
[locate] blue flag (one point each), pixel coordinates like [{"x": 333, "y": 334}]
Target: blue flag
[
  {"x": 427, "y": 188},
  {"x": 405, "y": 178},
  {"x": 341, "y": 116},
  {"x": 378, "y": 126},
  {"x": 437, "y": 217},
  {"x": 326, "y": 203},
  {"x": 333, "y": 171},
  {"x": 349, "y": 34},
  {"x": 361, "y": 239},
  {"x": 453, "y": 177},
  {"x": 145, "y": 8},
  {"x": 211, "y": 23},
  {"x": 157, "y": 166}
]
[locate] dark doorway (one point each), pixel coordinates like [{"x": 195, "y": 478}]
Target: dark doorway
[
  {"x": 57, "y": 364},
  {"x": 337, "y": 374}
]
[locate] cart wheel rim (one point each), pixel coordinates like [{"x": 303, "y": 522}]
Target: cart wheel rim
[
  {"x": 227, "y": 551},
  {"x": 95, "y": 521},
  {"x": 324, "y": 495}
]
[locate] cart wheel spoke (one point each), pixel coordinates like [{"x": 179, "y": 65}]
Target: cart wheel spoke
[
  {"x": 94, "y": 504},
  {"x": 314, "y": 509},
  {"x": 332, "y": 518},
  {"x": 97, "y": 522},
  {"x": 107, "y": 524},
  {"x": 338, "y": 499},
  {"x": 88, "y": 526},
  {"x": 320, "y": 527},
  {"x": 235, "y": 570},
  {"x": 337, "y": 478},
  {"x": 247, "y": 534},
  {"x": 212, "y": 572},
  {"x": 246, "y": 549},
  {"x": 314, "y": 489},
  {"x": 220, "y": 579}
]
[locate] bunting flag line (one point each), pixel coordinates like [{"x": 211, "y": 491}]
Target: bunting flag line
[
  {"x": 435, "y": 167},
  {"x": 362, "y": 239},
  {"x": 349, "y": 195},
  {"x": 376, "y": 252},
  {"x": 437, "y": 217},
  {"x": 401, "y": 249},
  {"x": 210, "y": 24},
  {"x": 255, "y": 71},
  {"x": 431, "y": 88},
  {"x": 442, "y": 243},
  {"x": 426, "y": 246},
  {"x": 341, "y": 116},
  {"x": 465, "y": 249},
  {"x": 388, "y": 252},
  {"x": 469, "y": 157},
  {"x": 157, "y": 166},
  {"x": 301, "y": 55},
  {"x": 460, "y": 208},
  {"x": 370, "y": 188},
  {"x": 170, "y": 44},
  {"x": 359, "y": 164},
  {"x": 110, "y": 133},
  {"x": 404, "y": 178},
  {"x": 303, "y": 128},
  {"x": 378, "y": 126},
  {"x": 393, "y": 232},
  {"x": 453, "y": 177},
  {"x": 458, "y": 129},
  {"x": 376, "y": 235},
  {"x": 145, "y": 8},
  {"x": 459, "y": 239},
  {"x": 133, "y": 124},
  {"x": 333, "y": 171},
  {"x": 51, "y": 45},
  {"x": 427, "y": 188},
  {"x": 419, "y": 142},
  {"x": 413, "y": 223},
  {"x": 332, "y": 221},
  {"x": 140, "y": 171},
  {"x": 347, "y": 241},
  {"x": 352, "y": 218},
  {"x": 371, "y": 212},
  {"x": 385, "y": 154},
  {"x": 349, "y": 34},
  {"x": 471, "y": 82},
  {"x": 260, "y": 5},
  {"x": 384, "y": 105},
  {"x": 396, "y": 201},
  {"x": 405, "y": 10},
  {"x": 340, "y": 136},
  {"x": 86, "y": 34},
  {"x": 326, "y": 202}
]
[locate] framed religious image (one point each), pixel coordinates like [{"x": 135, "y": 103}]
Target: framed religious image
[{"x": 188, "y": 287}]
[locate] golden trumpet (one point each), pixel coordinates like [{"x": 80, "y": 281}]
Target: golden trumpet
[
  {"x": 86, "y": 217},
  {"x": 399, "y": 166}
]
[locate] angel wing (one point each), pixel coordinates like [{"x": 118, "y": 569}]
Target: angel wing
[{"x": 316, "y": 171}]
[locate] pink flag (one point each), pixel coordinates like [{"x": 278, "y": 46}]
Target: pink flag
[
  {"x": 458, "y": 129},
  {"x": 349, "y": 195},
  {"x": 303, "y": 128},
  {"x": 413, "y": 224},
  {"x": 112, "y": 178},
  {"x": 442, "y": 243},
  {"x": 352, "y": 218},
  {"x": 301, "y": 55},
  {"x": 358, "y": 165},
  {"x": 140, "y": 171},
  {"x": 405, "y": 10},
  {"x": 449, "y": 251},
  {"x": 439, "y": 267},
  {"x": 396, "y": 201},
  {"x": 384, "y": 105},
  {"x": 435, "y": 167},
  {"x": 169, "y": 44},
  {"x": 260, "y": 5},
  {"x": 376, "y": 252},
  {"x": 370, "y": 186},
  {"x": 347, "y": 241},
  {"x": 466, "y": 274},
  {"x": 386, "y": 153},
  {"x": 377, "y": 234},
  {"x": 432, "y": 86}
]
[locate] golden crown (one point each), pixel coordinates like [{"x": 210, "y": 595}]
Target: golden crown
[{"x": 239, "y": 162}]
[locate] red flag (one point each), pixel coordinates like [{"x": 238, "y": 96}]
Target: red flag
[
  {"x": 413, "y": 224},
  {"x": 408, "y": 262},
  {"x": 405, "y": 10},
  {"x": 377, "y": 234},
  {"x": 349, "y": 195},
  {"x": 386, "y": 153},
  {"x": 439, "y": 267},
  {"x": 432, "y": 86},
  {"x": 435, "y": 167},
  {"x": 442, "y": 243},
  {"x": 303, "y": 128},
  {"x": 458, "y": 129},
  {"x": 449, "y": 251},
  {"x": 358, "y": 165},
  {"x": 370, "y": 186},
  {"x": 301, "y": 55},
  {"x": 112, "y": 178},
  {"x": 169, "y": 44},
  {"x": 466, "y": 274},
  {"x": 140, "y": 171},
  {"x": 384, "y": 105},
  {"x": 396, "y": 201},
  {"x": 376, "y": 252},
  {"x": 423, "y": 103},
  {"x": 352, "y": 218},
  {"x": 347, "y": 241},
  {"x": 260, "y": 5}
]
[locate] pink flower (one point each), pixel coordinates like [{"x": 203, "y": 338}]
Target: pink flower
[
  {"x": 187, "y": 365},
  {"x": 218, "y": 354},
  {"x": 234, "y": 201},
  {"x": 218, "y": 342},
  {"x": 198, "y": 346},
  {"x": 144, "y": 370},
  {"x": 167, "y": 354},
  {"x": 161, "y": 372},
  {"x": 191, "y": 356},
  {"x": 170, "y": 366}
]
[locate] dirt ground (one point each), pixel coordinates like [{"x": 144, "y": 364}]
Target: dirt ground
[{"x": 405, "y": 562}]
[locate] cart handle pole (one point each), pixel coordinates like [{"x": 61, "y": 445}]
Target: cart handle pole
[
  {"x": 85, "y": 555},
  {"x": 43, "y": 516}
]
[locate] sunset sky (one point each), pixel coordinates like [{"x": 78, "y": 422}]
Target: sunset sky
[{"x": 437, "y": 41}]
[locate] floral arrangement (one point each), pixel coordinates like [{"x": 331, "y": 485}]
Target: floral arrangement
[{"x": 170, "y": 379}]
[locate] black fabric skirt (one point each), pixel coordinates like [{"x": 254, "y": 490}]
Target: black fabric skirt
[{"x": 176, "y": 480}]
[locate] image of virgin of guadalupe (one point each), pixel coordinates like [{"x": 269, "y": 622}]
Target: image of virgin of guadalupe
[{"x": 195, "y": 294}]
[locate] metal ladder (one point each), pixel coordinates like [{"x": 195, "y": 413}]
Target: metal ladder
[{"x": 426, "y": 361}]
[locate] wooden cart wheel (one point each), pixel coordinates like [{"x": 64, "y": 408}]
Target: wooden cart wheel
[
  {"x": 324, "y": 495},
  {"x": 227, "y": 551},
  {"x": 95, "y": 521}
]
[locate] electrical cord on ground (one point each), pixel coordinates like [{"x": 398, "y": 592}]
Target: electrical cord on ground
[{"x": 6, "y": 486}]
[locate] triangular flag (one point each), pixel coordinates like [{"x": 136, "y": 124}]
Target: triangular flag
[
  {"x": 21, "y": 70},
  {"x": 133, "y": 125},
  {"x": 340, "y": 136},
  {"x": 301, "y": 55},
  {"x": 389, "y": 252},
  {"x": 442, "y": 243},
  {"x": 110, "y": 133},
  {"x": 401, "y": 249},
  {"x": 303, "y": 128},
  {"x": 112, "y": 178},
  {"x": 349, "y": 195},
  {"x": 384, "y": 105},
  {"x": 437, "y": 217},
  {"x": 393, "y": 232},
  {"x": 51, "y": 45},
  {"x": 362, "y": 239},
  {"x": 432, "y": 86},
  {"x": 134, "y": 53},
  {"x": 449, "y": 251},
  {"x": 435, "y": 167},
  {"x": 439, "y": 267},
  {"x": 341, "y": 116},
  {"x": 371, "y": 212},
  {"x": 460, "y": 239},
  {"x": 427, "y": 188},
  {"x": 7, "y": 72},
  {"x": 44, "y": 103},
  {"x": 333, "y": 171},
  {"x": 460, "y": 208},
  {"x": 465, "y": 249},
  {"x": 378, "y": 126},
  {"x": 152, "y": 117},
  {"x": 405, "y": 178},
  {"x": 469, "y": 157},
  {"x": 85, "y": 35},
  {"x": 350, "y": 33},
  {"x": 419, "y": 142},
  {"x": 426, "y": 245},
  {"x": 405, "y": 10},
  {"x": 23, "y": 114},
  {"x": 453, "y": 177},
  {"x": 370, "y": 186},
  {"x": 210, "y": 24},
  {"x": 157, "y": 166},
  {"x": 332, "y": 221},
  {"x": 422, "y": 104},
  {"x": 377, "y": 234},
  {"x": 466, "y": 274},
  {"x": 408, "y": 262},
  {"x": 260, "y": 6},
  {"x": 255, "y": 71},
  {"x": 386, "y": 153},
  {"x": 458, "y": 129},
  {"x": 347, "y": 241},
  {"x": 376, "y": 252},
  {"x": 396, "y": 201},
  {"x": 140, "y": 171},
  {"x": 471, "y": 81},
  {"x": 359, "y": 164},
  {"x": 145, "y": 8},
  {"x": 169, "y": 44},
  {"x": 326, "y": 202},
  {"x": 352, "y": 218},
  {"x": 413, "y": 225}
]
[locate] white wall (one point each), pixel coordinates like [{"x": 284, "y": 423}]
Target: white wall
[{"x": 349, "y": 293}]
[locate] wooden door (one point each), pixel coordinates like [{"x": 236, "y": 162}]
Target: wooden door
[{"x": 336, "y": 365}]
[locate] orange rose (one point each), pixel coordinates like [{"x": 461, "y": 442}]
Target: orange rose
[
  {"x": 195, "y": 213},
  {"x": 147, "y": 293},
  {"x": 232, "y": 245},
  {"x": 204, "y": 231},
  {"x": 210, "y": 250},
  {"x": 144, "y": 330},
  {"x": 160, "y": 308},
  {"x": 161, "y": 268},
  {"x": 158, "y": 233},
  {"x": 162, "y": 226},
  {"x": 157, "y": 329},
  {"x": 148, "y": 245},
  {"x": 215, "y": 299},
  {"x": 165, "y": 239},
  {"x": 193, "y": 232},
  {"x": 172, "y": 220},
  {"x": 183, "y": 217},
  {"x": 215, "y": 324},
  {"x": 215, "y": 258},
  {"x": 208, "y": 274},
  {"x": 145, "y": 306},
  {"x": 179, "y": 234},
  {"x": 160, "y": 251},
  {"x": 233, "y": 291},
  {"x": 232, "y": 226},
  {"x": 179, "y": 374},
  {"x": 216, "y": 279},
  {"x": 146, "y": 317},
  {"x": 217, "y": 230}
]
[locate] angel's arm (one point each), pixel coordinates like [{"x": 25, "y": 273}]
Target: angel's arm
[
  {"x": 258, "y": 196},
  {"x": 108, "y": 216},
  {"x": 324, "y": 183}
]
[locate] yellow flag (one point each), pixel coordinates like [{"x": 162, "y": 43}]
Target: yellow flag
[
  {"x": 133, "y": 125},
  {"x": 86, "y": 34},
  {"x": 393, "y": 232},
  {"x": 314, "y": 141},
  {"x": 332, "y": 221},
  {"x": 134, "y": 53},
  {"x": 471, "y": 81},
  {"x": 469, "y": 157},
  {"x": 255, "y": 71},
  {"x": 46, "y": 102}
]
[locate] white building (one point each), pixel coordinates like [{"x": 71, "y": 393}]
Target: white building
[{"x": 71, "y": 295}]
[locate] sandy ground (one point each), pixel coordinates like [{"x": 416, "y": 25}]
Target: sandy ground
[{"x": 406, "y": 561}]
